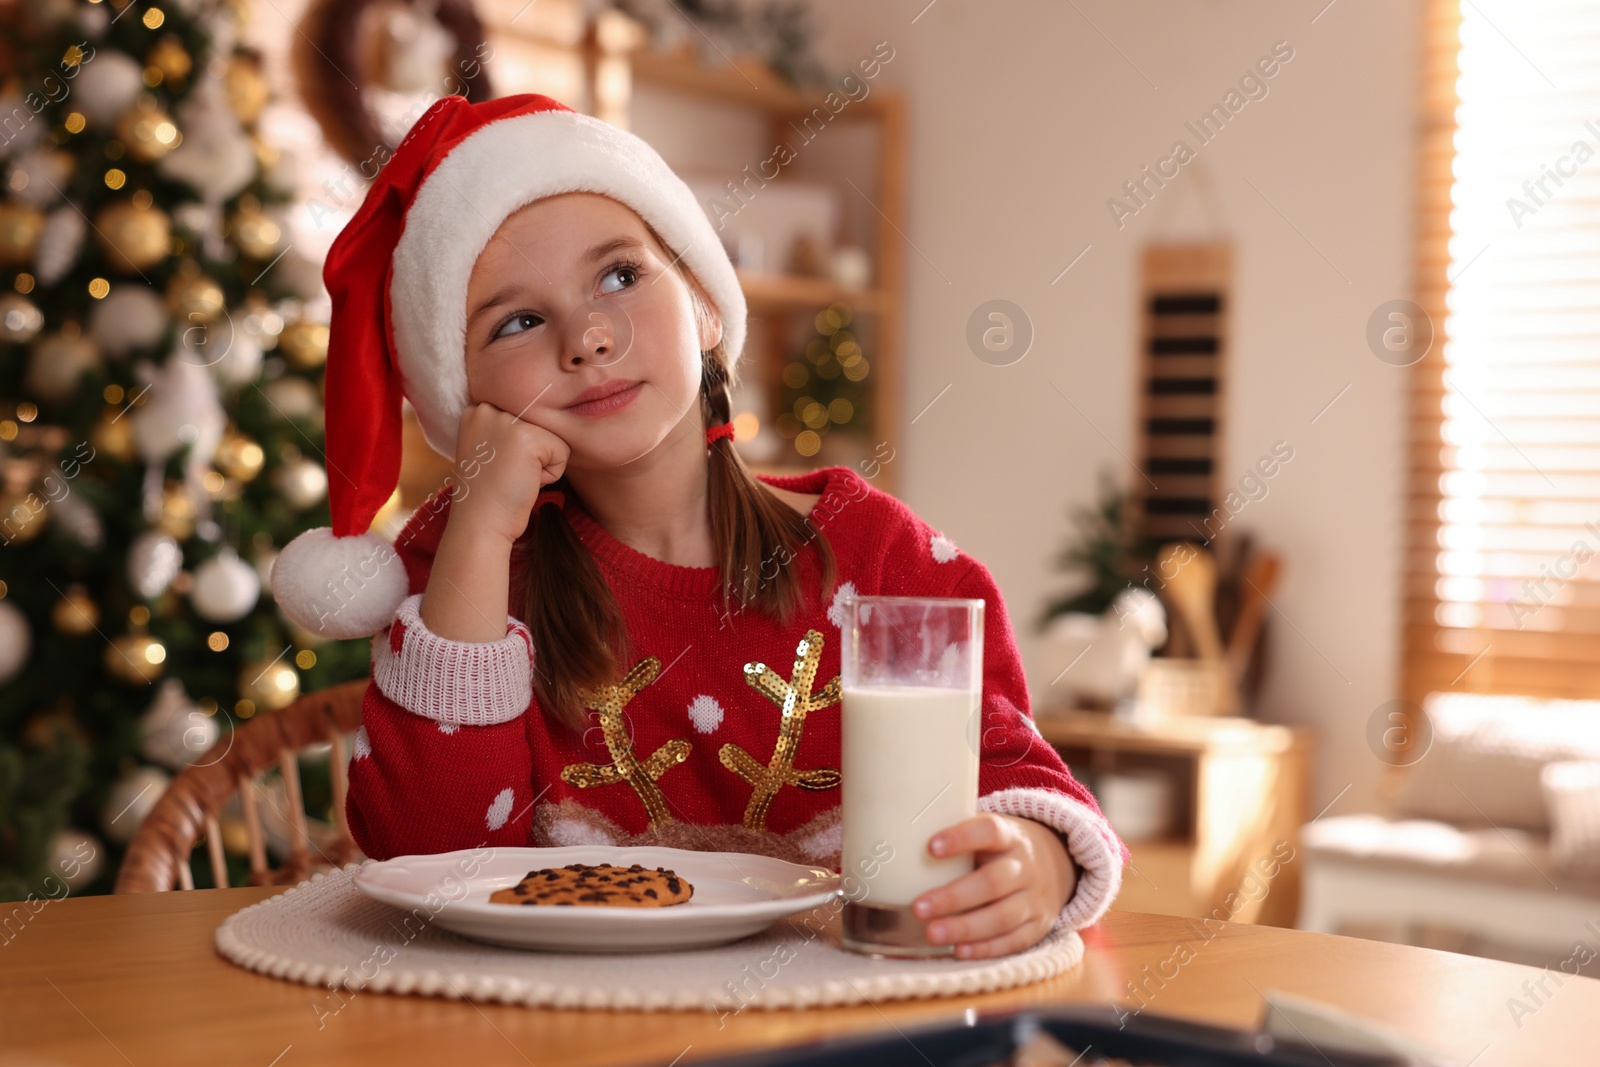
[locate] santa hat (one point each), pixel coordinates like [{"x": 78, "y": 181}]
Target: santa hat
[{"x": 398, "y": 275}]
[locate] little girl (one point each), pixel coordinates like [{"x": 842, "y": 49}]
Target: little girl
[{"x": 590, "y": 634}]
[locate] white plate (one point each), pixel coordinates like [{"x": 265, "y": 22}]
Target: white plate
[{"x": 735, "y": 895}]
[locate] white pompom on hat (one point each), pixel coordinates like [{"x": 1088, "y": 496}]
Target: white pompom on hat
[{"x": 397, "y": 274}]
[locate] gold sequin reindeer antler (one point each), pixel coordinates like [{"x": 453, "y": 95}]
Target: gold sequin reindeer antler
[
  {"x": 797, "y": 701},
  {"x": 609, "y": 701}
]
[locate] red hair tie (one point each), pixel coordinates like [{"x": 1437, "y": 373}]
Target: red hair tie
[
  {"x": 550, "y": 496},
  {"x": 715, "y": 432}
]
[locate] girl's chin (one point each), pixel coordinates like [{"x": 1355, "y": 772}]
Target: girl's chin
[{"x": 608, "y": 447}]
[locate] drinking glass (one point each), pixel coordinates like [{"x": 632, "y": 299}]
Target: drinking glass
[{"x": 911, "y": 671}]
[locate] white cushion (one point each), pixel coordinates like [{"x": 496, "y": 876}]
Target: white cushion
[{"x": 1572, "y": 792}]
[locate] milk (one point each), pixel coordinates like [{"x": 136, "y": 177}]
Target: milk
[{"x": 910, "y": 769}]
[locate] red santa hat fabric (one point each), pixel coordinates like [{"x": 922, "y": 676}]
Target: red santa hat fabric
[{"x": 397, "y": 275}]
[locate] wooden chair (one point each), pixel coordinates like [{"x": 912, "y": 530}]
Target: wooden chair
[{"x": 157, "y": 858}]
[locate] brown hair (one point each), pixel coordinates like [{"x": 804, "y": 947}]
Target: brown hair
[{"x": 579, "y": 637}]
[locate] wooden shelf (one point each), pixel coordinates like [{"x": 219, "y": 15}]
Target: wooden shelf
[
  {"x": 776, "y": 300},
  {"x": 793, "y": 292},
  {"x": 746, "y": 80}
]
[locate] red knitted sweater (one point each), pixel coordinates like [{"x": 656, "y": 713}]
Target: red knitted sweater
[{"x": 454, "y": 751}]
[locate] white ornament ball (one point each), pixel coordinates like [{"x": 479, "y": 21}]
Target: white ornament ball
[
  {"x": 16, "y": 641},
  {"x": 264, "y": 564},
  {"x": 234, "y": 353},
  {"x": 79, "y": 518},
  {"x": 40, "y": 176},
  {"x": 131, "y": 800},
  {"x": 58, "y": 363},
  {"x": 194, "y": 215},
  {"x": 108, "y": 85},
  {"x": 300, "y": 274},
  {"x": 59, "y": 244},
  {"x": 133, "y": 315},
  {"x": 215, "y": 157},
  {"x": 226, "y": 588},
  {"x": 295, "y": 397},
  {"x": 303, "y": 483},
  {"x": 29, "y": 134},
  {"x": 183, "y": 409},
  {"x": 174, "y": 732},
  {"x": 154, "y": 559},
  {"x": 76, "y": 857},
  {"x": 94, "y": 20}
]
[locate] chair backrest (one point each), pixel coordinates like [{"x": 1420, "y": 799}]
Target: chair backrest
[{"x": 157, "y": 858}]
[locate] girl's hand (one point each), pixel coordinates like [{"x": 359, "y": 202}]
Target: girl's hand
[
  {"x": 1023, "y": 879},
  {"x": 495, "y": 453}
]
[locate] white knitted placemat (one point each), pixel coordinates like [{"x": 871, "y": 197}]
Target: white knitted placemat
[{"x": 326, "y": 932}]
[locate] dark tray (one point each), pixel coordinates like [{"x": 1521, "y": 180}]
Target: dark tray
[{"x": 1145, "y": 1039}]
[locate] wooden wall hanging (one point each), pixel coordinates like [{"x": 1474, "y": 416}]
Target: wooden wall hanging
[{"x": 1184, "y": 303}]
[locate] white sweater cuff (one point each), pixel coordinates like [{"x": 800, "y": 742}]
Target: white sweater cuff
[
  {"x": 1090, "y": 842},
  {"x": 466, "y": 683}
]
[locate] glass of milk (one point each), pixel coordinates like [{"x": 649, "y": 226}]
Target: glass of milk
[{"x": 911, "y": 669}]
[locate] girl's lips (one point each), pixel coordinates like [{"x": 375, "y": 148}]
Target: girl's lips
[{"x": 606, "y": 405}]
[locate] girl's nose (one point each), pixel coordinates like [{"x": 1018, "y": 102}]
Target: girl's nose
[{"x": 599, "y": 333}]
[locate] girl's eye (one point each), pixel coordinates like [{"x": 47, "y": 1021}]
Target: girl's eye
[
  {"x": 622, "y": 269},
  {"x": 525, "y": 319}
]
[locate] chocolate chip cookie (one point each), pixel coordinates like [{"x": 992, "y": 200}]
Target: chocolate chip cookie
[{"x": 598, "y": 885}]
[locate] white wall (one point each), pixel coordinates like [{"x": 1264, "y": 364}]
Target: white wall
[{"x": 1024, "y": 120}]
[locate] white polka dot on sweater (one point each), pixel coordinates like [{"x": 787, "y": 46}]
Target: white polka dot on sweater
[
  {"x": 500, "y": 810},
  {"x": 944, "y": 550},
  {"x": 845, "y": 591},
  {"x": 448, "y": 727},
  {"x": 824, "y": 842},
  {"x": 705, "y": 713},
  {"x": 363, "y": 744}
]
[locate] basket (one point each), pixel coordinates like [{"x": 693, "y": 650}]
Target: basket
[{"x": 1170, "y": 688}]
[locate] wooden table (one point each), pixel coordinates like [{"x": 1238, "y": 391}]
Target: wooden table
[{"x": 134, "y": 980}]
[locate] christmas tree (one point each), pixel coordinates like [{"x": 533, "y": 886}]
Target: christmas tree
[
  {"x": 160, "y": 424},
  {"x": 824, "y": 386}
]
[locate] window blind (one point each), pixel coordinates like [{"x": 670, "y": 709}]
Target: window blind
[{"x": 1502, "y": 590}]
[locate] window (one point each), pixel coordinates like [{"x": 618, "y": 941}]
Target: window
[{"x": 1503, "y": 548}]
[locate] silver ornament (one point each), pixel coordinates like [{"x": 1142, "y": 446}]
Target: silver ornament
[
  {"x": 59, "y": 244},
  {"x": 108, "y": 85},
  {"x": 294, "y": 397},
  {"x": 40, "y": 176},
  {"x": 174, "y": 732},
  {"x": 131, "y": 800},
  {"x": 133, "y": 315},
  {"x": 302, "y": 483},
  {"x": 79, "y": 518},
  {"x": 154, "y": 559},
  {"x": 234, "y": 350}
]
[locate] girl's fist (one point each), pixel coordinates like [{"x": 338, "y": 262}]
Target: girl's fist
[{"x": 501, "y": 464}]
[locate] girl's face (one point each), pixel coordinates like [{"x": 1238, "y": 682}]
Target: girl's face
[{"x": 572, "y": 292}]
